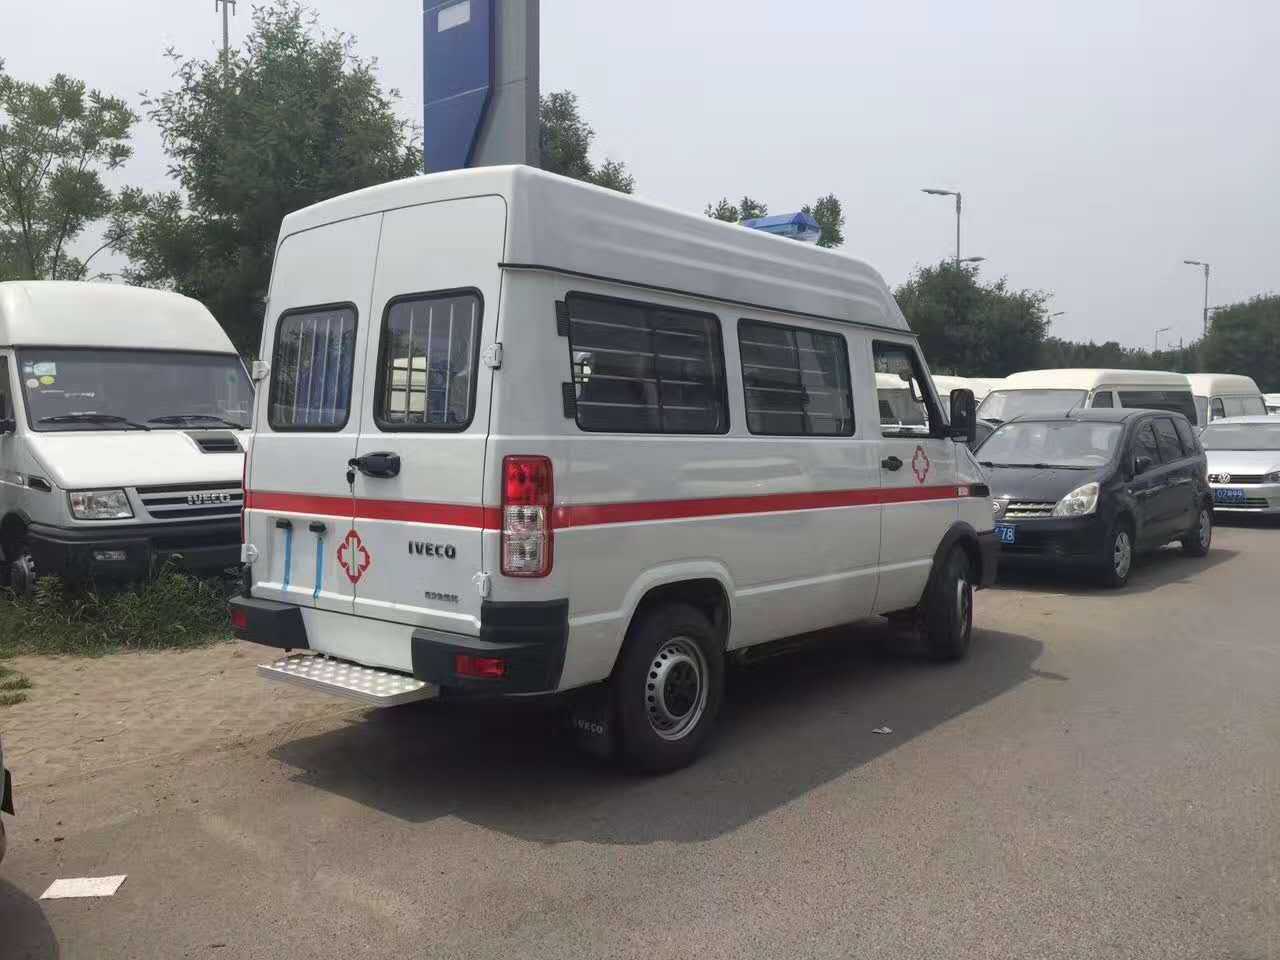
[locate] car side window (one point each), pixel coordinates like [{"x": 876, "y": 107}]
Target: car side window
[
  {"x": 1218, "y": 409},
  {"x": 1167, "y": 440},
  {"x": 1103, "y": 398},
  {"x": 1144, "y": 443},
  {"x": 907, "y": 407},
  {"x": 1188, "y": 437}
]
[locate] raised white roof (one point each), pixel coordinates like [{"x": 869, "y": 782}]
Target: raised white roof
[
  {"x": 1223, "y": 385},
  {"x": 58, "y": 313},
  {"x": 571, "y": 227},
  {"x": 1086, "y": 379}
]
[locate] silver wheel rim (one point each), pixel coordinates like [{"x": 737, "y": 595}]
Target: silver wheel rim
[
  {"x": 675, "y": 694},
  {"x": 1206, "y": 529},
  {"x": 1122, "y": 555},
  {"x": 964, "y": 606},
  {"x": 22, "y": 575}
]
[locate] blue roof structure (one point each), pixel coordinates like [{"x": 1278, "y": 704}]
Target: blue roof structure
[{"x": 798, "y": 226}]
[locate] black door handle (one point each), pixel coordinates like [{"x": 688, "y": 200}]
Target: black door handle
[
  {"x": 383, "y": 464},
  {"x": 891, "y": 463}
]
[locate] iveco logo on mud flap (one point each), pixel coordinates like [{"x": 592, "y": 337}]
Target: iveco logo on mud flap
[
  {"x": 204, "y": 499},
  {"x": 422, "y": 548}
]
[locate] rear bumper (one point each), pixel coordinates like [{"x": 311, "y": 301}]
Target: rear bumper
[
  {"x": 530, "y": 638},
  {"x": 1073, "y": 540},
  {"x": 134, "y": 551}
]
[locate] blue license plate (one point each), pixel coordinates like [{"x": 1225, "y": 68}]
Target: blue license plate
[
  {"x": 1006, "y": 533},
  {"x": 1229, "y": 495}
]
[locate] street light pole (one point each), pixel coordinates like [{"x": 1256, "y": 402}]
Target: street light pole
[
  {"x": 1199, "y": 263},
  {"x": 1155, "y": 348},
  {"x": 228, "y": 7},
  {"x": 949, "y": 193}
]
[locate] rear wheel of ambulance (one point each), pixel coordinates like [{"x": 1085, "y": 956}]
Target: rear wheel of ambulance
[{"x": 668, "y": 688}]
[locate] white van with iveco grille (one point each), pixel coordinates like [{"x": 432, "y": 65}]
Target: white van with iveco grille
[
  {"x": 523, "y": 435},
  {"x": 1041, "y": 392},
  {"x": 1219, "y": 395},
  {"x": 123, "y": 417}
]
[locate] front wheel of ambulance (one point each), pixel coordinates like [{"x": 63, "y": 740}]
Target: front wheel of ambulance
[
  {"x": 668, "y": 688},
  {"x": 948, "y": 613}
]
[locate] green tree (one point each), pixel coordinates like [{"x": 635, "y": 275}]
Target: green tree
[
  {"x": 970, "y": 328},
  {"x": 830, "y": 216},
  {"x": 55, "y": 143},
  {"x": 566, "y": 140},
  {"x": 744, "y": 209},
  {"x": 293, "y": 118},
  {"x": 1245, "y": 338}
]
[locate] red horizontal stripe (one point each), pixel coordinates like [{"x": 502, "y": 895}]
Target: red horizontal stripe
[{"x": 593, "y": 514}]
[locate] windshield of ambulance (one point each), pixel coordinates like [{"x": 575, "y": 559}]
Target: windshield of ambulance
[
  {"x": 1002, "y": 405},
  {"x": 95, "y": 389},
  {"x": 1056, "y": 443}
]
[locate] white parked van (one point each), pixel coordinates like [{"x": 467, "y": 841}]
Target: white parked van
[
  {"x": 1219, "y": 395},
  {"x": 525, "y": 435},
  {"x": 1040, "y": 392},
  {"x": 978, "y": 386},
  {"x": 123, "y": 413}
]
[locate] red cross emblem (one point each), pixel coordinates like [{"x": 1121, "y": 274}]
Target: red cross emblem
[
  {"x": 920, "y": 465},
  {"x": 353, "y": 557}
]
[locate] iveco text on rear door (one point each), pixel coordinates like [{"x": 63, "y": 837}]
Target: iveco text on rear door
[
  {"x": 424, "y": 419},
  {"x": 298, "y": 501}
]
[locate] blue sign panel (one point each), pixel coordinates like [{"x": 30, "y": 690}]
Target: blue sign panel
[
  {"x": 797, "y": 226},
  {"x": 458, "y": 79}
]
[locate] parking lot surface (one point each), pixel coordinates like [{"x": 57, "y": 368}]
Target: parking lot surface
[{"x": 1098, "y": 779}]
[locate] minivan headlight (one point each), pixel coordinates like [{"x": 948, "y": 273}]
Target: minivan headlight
[
  {"x": 1080, "y": 502},
  {"x": 100, "y": 505}
]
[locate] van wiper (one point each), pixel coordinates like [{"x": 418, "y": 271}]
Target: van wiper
[
  {"x": 180, "y": 418},
  {"x": 102, "y": 418}
]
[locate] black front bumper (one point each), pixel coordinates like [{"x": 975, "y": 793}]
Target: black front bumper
[
  {"x": 1069, "y": 540},
  {"x": 78, "y": 553},
  {"x": 530, "y": 638}
]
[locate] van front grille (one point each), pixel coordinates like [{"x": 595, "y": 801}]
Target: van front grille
[
  {"x": 1029, "y": 508},
  {"x": 192, "y": 501}
]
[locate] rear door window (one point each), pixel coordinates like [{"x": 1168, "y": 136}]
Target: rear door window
[
  {"x": 311, "y": 369},
  {"x": 1175, "y": 401},
  {"x": 1144, "y": 443},
  {"x": 1187, "y": 436},
  {"x": 1167, "y": 440},
  {"x": 1103, "y": 398}
]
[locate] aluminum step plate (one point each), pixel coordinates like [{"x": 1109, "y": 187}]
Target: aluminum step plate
[{"x": 380, "y": 688}]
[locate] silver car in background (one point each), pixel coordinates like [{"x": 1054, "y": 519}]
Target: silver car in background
[{"x": 1244, "y": 463}]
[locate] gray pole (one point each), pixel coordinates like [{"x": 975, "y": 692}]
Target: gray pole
[
  {"x": 228, "y": 7},
  {"x": 958, "y": 233},
  {"x": 1206, "y": 299}
]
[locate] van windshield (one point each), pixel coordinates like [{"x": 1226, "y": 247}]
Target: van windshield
[
  {"x": 95, "y": 389},
  {"x": 1056, "y": 443},
  {"x": 1002, "y": 405}
]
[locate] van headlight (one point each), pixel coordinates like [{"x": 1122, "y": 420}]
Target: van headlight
[
  {"x": 1080, "y": 502},
  {"x": 100, "y": 505}
]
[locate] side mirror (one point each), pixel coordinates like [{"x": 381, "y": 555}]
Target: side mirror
[
  {"x": 964, "y": 416},
  {"x": 1141, "y": 465}
]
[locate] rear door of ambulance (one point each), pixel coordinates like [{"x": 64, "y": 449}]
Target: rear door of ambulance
[
  {"x": 420, "y": 508},
  {"x": 298, "y": 503}
]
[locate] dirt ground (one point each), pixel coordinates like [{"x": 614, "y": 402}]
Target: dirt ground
[{"x": 85, "y": 715}]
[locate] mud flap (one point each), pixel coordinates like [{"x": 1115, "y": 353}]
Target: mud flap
[{"x": 592, "y": 721}]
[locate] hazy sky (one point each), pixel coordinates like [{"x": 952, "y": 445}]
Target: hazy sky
[{"x": 1098, "y": 143}]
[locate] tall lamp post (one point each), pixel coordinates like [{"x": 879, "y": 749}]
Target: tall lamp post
[
  {"x": 1199, "y": 263},
  {"x": 950, "y": 193},
  {"x": 1156, "y": 346}
]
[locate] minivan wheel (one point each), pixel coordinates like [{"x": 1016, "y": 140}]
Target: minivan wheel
[
  {"x": 1117, "y": 559},
  {"x": 22, "y": 574},
  {"x": 948, "y": 611},
  {"x": 668, "y": 688},
  {"x": 1197, "y": 542}
]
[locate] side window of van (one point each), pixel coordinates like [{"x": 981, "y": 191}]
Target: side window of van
[
  {"x": 1218, "y": 409},
  {"x": 1167, "y": 440},
  {"x": 795, "y": 381},
  {"x": 1103, "y": 398},
  {"x": 426, "y": 362},
  {"x": 644, "y": 368},
  {"x": 1177, "y": 401},
  {"x": 311, "y": 369},
  {"x": 906, "y": 408}
]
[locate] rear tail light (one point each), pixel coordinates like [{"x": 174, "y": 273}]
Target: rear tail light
[
  {"x": 526, "y": 516},
  {"x": 480, "y": 668},
  {"x": 239, "y": 619}
]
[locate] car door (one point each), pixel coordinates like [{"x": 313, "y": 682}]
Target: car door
[
  {"x": 298, "y": 503},
  {"x": 1181, "y": 492},
  {"x": 917, "y": 480},
  {"x": 1150, "y": 487}
]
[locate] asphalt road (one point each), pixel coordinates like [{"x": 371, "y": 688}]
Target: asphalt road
[{"x": 1101, "y": 778}]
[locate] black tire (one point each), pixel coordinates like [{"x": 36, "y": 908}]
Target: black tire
[
  {"x": 1198, "y": 541},
  {"x": 1118, "y": 553},
  {"x": 948, "y": 608},
  {"x": 668, "y": 688}
]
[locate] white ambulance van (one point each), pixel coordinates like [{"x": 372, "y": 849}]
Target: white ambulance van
[
  {"x": 124, "y": 413},
  {"x": 1219, "y": 395},
  {"x": 524, "y": 435}
]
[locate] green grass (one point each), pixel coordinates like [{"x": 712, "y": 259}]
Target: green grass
[{"x": 173, "y": 611}]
